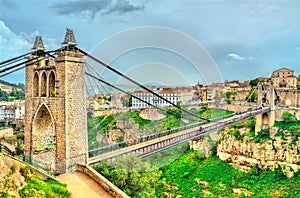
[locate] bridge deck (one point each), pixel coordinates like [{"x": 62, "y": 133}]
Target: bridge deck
[
  {"x": 175, "y": 138},
  {"x": 80, "y": 185}
]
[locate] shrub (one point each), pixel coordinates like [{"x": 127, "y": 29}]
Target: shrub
[
  {"x": 288, "y": 117},
  {"x": 20, "y": 136}
]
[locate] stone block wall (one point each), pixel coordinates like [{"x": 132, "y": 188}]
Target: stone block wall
[{"x": 72, "y": 86}]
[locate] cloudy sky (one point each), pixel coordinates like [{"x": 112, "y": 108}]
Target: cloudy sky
[{"x": 163, "y": 41}]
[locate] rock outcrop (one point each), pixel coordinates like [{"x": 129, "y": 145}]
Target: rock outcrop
[
  {"x": 11, "y": 180},
  {"x": 276, "y": 151}
]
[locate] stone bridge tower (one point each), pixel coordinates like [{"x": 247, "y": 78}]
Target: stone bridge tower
[
  {"x": 265, "y": 120},
  {"x": 55, "y": 121}
]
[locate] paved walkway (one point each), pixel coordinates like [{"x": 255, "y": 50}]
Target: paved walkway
[{"x": 81, "y": 186}]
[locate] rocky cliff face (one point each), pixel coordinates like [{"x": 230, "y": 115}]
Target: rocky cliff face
[
  {"x": 248, "y": 151},
  {"x": 11, "y": 179}
]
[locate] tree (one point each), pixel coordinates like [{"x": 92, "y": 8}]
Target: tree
[
  {"x": 253, "y": 97},
  {"x": 288, "y": 117},
  {"x": 254, "y": 82},
  {"x": 132, "y": 175}
]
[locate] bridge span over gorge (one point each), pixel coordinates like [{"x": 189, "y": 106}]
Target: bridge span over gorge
[
  {"x": 147, "y": 145},
  {"x": 56, "y": 115}
]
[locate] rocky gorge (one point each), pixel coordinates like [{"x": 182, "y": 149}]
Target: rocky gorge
[{"x": 269, "y": 151}]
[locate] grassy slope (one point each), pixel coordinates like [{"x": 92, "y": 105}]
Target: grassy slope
[{"x": 184, "y": 174}]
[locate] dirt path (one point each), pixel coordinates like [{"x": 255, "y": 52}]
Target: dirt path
[{"x": 80, "y": 185}]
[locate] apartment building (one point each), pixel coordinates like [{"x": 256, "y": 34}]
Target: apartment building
[
  {"x": 10, "y": 111},
  {"x": 183, "y": 95}
]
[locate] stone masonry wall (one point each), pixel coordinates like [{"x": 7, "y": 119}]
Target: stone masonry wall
[{"x": 75, "y": 108}]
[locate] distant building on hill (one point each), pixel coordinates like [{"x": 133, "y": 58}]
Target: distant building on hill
[
  {"x": 284, "y": 78},
  {"x": 11, "y": 111},
  {"x": 6, "y": 88},
  {"x": 183, "y": 95}
]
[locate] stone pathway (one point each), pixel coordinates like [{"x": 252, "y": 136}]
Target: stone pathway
[{"x": 80, "y": 185}]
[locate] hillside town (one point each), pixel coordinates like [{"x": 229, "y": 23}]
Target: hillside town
[{"x": 286, "y": 83}]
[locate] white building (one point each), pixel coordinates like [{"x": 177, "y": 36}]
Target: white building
[
  {"x": 184, "y": 95},
  {"x": 10, "y": 111}
]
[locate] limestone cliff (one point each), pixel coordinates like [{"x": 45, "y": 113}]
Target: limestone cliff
[
  {"x": 246, "y": 151},
  {"x": 11, "y": 179}
]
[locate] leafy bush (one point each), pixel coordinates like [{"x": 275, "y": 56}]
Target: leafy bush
[
  {"x": 288, "y": 117},
  {"x": 250, "y": 123},
  {"x": 236, "y": 134},
  {"x": 132, "y": 175},
  {"x": 262, "y": 136},
  {"x": 20, "y": 136}
]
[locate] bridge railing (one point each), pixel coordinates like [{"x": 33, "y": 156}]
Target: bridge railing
[{"x": 138, "y": 140}]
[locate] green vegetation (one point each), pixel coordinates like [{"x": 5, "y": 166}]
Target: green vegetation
[
  {"x": 286, "y": 125},
  {"x": 105, "y": 98},
  {"x": 189, "y": 176},
  {"x": 288, "y": 117},
  {"x": 214, "y": 113},
  {"x": 253, "y": 94},
  {"x": 100, "y": 124},
  {"x": 29, "y": 184},
  {"x": 16, "y": 94},
  {"x": 192, "y": 176},
  {"x": 44, "y": 188},
  {"x": 254, "y": 82},
  {"x": 230, "y": 95},
  {"x": 288, "y": 128},
  {"x": 133, "y": 175},
  {"x": 262, "y": 136},
  {"x": 250, "y": 123}
]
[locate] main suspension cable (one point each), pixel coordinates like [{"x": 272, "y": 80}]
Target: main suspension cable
[{"x": 12, "y": 59}]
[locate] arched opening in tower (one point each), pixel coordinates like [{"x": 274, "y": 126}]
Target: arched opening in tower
[
  {"x": 43, "y": 138},
  {"x": 44, "y": 85},
  {"x": 265, "y": 119},
  {"x": 52, "y": 91},
  {"x": 35, "y": 85}
]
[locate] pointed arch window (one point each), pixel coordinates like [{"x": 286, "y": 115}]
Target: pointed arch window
[
  {"x": 52, "y": 90},
  {"x": 43, "y": 85},
  {"x": 35, "y": 85}
]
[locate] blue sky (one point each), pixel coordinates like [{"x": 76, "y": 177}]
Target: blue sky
[{"x": 234, "y": 39}]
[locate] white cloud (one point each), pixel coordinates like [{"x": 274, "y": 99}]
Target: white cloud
[
  {"x": 233, "y": 56},
  {"x": 11, "y": 45}
]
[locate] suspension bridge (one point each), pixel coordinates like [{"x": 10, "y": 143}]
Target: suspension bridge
[{"x": 56, "y": 117}]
